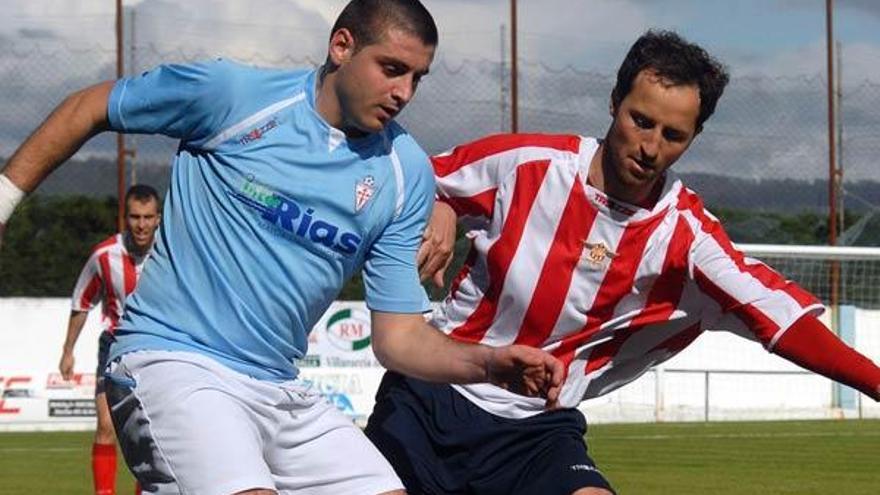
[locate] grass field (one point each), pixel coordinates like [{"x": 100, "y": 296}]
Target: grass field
[{"x": 767, "y": 458}]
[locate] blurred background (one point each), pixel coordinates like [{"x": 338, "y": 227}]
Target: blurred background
[{"x": 762, "y": 163}]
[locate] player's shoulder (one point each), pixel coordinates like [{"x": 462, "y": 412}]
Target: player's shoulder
[
  {"x": 410, "y": 162},
  {"x": 412, "y": 157},
  {"x": 684, "y": 198},
  {"x": 403, "y": 142},
  {"x": 249, "y": 79},
  {"x": 508, "y": 141},
  {"x": 111, "y": 243},
  {"x": 688, "y": 203},
  {"x": 235, "y": 68}
]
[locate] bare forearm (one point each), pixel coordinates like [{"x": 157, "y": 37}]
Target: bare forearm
[
  {"x": 79, "y": 117},
  {"x": 426, "y": 353},
  {"x": 407, "y": 344},
  {"x": 74, "y": 328}
]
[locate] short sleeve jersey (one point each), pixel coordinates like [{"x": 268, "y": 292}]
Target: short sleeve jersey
[
  {"x": 109, "y": 276},
  {"x": 270, "y": 210}
]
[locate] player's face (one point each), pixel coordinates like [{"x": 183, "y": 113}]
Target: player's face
[
  {"x": 653, "y": 125},
  {"x": 142, "y": 219},
  {"x": 375, "y": 83}
]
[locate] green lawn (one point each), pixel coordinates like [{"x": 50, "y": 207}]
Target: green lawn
[
  {"x": 52, "y": 463},
  {"x": 767, "y": 458}
]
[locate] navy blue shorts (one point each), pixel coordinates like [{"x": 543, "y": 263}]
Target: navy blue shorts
[
  {"x": 103, "y": 353},
  {"x": 441, "y": 443}
]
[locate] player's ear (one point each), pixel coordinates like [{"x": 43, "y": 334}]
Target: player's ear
[{"x": 342, "y": 47}]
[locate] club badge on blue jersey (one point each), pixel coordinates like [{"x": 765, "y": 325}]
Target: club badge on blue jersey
[{"x": 363, "y": 191}]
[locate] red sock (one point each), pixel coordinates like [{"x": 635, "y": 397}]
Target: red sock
[
  {"x": 104, "y": 468},
  {"x": 137, "y": 488}
]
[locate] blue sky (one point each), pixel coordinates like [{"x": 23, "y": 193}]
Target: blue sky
[{"x": 766, "y": 37}]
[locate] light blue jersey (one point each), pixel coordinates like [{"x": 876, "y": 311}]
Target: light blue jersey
[{"x": 269, "y": 212}]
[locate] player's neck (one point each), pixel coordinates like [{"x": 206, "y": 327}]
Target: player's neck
[
  {"x": 326, "y": 103},
  {"x": 600, "y": 178},
  {"x": 328, "y": 106}
]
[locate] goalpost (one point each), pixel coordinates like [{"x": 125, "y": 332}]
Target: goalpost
[
  {"x": 838, "y": 275},
  {"x": 724, "y": 377}
]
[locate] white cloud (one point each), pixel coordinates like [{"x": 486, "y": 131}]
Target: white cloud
[
  {"x": 459, "y": 100},
  {"x": 266, "y": 31},
  {"x": 593, "y": 34}
]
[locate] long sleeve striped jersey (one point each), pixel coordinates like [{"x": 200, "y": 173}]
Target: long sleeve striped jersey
[{"x": 610, "y": 288}]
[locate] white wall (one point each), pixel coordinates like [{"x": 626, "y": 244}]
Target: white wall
[{"x": 32, "y": 332}]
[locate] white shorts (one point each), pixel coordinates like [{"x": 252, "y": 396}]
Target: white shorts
[{"x": 187, "y": 424}]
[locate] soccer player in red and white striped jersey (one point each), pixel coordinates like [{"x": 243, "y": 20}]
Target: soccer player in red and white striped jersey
[
  {"x": 109, "y": 276},
  {"x": 593, "y": 250}
]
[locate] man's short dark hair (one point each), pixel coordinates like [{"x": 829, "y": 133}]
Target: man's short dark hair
[
  {"x": 142, "y": 193},
  {"x": 367, "y": 20},
  {"x": 679, "y": 62}
]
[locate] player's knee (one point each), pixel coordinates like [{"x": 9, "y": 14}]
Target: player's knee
[
  {"x": 395, "y": 492},
  {"x": 258, "y": 491},
  {"x": 592, "y": 491}
]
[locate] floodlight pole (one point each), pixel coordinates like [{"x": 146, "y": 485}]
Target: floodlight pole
[
  {"x": 514, "y": 71},
  {"x": 834, "y": 274},
  {"x": 832, "y": 163},
  {"x": 120, "y": 139}
]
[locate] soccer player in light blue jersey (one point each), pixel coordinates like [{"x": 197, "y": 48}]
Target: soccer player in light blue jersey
[{"x": 285, "y": 184}]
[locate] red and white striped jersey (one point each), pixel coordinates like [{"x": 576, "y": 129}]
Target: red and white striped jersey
[
  {"x": 109, "y": 276},
  {"x": 610, "y": 288}
]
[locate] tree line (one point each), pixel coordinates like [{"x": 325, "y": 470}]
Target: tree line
[{"x": 49, "y": 238}]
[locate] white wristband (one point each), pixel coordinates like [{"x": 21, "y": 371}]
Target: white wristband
[{"x": 10, "y": 196}]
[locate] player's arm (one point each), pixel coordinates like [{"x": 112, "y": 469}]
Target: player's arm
[
  {"x": 811, "y": 345},
  {"x": 467, "y": 178},
  {"x": 764, "y": 305},
  {"x": 79, "y": 117},
  {"x": 74, "y": 327},
  {"x": 438, "y": 244},
  {"x": 86, "y": 295},
  {"x": 407, "y": 344}
]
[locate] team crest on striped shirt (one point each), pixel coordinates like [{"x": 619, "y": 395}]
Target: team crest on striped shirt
[
  {"x": 597, "y": 253},
  {"x": 363, "y": 191}
]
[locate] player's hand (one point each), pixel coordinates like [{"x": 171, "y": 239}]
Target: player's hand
[
  {"x": 66, "y": 365},
  {"x": 527, "y": 371},
  {"x": 438, "y": 244}
]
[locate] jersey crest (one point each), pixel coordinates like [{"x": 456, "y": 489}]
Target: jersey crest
[
  {"x": 597, "y": 253},
  {"x": 363, "y": 191}
]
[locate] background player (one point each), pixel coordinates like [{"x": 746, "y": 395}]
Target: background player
[
  {"x": 286, "y": 182},
  {"x": 109, "y": 277},
  {"x": 595, "y": 251}
]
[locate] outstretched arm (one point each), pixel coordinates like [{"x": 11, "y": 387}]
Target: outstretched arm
[
  {"x": 809, "y": 344},
  {"x": 79, "y": 117},
  {"x": 407, "y": 344}
]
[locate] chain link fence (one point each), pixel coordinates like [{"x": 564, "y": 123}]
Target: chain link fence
[{"x": 763, "y": 153}]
